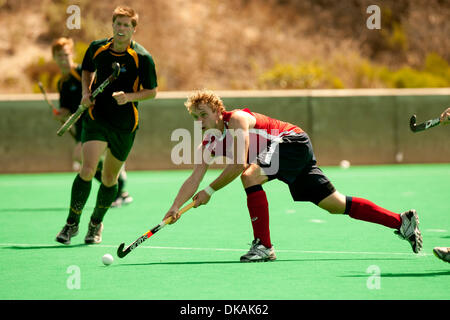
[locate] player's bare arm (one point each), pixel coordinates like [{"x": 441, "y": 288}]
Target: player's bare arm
[
  {"x": 187, "y": 190},
  {"x": 144, "y": 94},
  {"x": 240, "y": 123},
  {"x": 445, "y": 117}
]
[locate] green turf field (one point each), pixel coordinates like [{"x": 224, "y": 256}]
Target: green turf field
[{"x": 320, "y": 256}]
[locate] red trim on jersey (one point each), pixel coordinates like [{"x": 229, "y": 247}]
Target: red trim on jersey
[
  {"x": 264, "y": 122},
  {"x": 263, "y": 137}
]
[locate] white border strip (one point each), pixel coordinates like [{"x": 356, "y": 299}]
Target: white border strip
[{"x": 265, "y": 93}]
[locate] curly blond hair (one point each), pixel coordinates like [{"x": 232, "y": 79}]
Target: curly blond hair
[{"x": 204, "y": 97}]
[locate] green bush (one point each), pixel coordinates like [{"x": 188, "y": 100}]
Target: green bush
[
  {"x": 434, "y": 74},
  {"x": 435, "y": 65},
  {"x": 396, "y": 39},
  {"x": 407, "y": 77},
  {"x": 308, "y": 75},
  {"x": 362, "y": 73}
]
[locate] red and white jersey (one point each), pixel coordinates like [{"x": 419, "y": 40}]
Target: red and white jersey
[{"x": 263, "y": 137}]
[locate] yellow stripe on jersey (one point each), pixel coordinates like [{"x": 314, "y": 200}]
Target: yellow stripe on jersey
[
  {"x": 90, "y": 112},
  {"x": 101, "y": 49},
  {"x": 134, "y": 55},
  {"x": 117, "y": 54},
  {"x": 73, "y": 72},
  {"x": 136, "y": 84},
  {"x": 136, "y": 117}
]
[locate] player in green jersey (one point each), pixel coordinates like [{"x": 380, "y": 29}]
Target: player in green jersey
[
  {"x": 70, "y": 93},
  {"x": 111, "y": 120},
  {"x": 69, "y": 88}
]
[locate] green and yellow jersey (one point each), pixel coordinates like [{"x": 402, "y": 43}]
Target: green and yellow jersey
[
  {"x": 70, "y": 94},
  {"x": 137, "y": 70},
  {"x": 69, "y": 89}
]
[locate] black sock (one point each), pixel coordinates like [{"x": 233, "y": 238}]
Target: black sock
[
  {"x": 120, "y": 184},
  {"x": 106, "y": 196},
  {"x": 254, "y": 188},
  {"x": 79, "y": 196}
]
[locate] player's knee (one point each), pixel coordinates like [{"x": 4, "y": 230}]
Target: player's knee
[
  {"x": 334, "y": 203},
  {"x": 334, "y": 210},
  {"x": 87, "y": 172},
  {"x": 109, "y": 179}
]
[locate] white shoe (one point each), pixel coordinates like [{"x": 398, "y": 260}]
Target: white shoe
[
  {"x": 442, "y": 253},
  {"x": 409, "y": 230},
  {"x": 94, "y": 234},
  {"x": 258, "y": 253},
  {"x": 124, "y": 198},
  {"x": 117, "y": 203}
]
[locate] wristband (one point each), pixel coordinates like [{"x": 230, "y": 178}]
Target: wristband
[{"x": 209, "y": 190}]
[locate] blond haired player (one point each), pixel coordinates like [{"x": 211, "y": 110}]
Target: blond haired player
[{"x": 263, "y": 149}]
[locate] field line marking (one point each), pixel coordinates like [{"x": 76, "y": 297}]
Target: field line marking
[{"x": 221, "y": 249}]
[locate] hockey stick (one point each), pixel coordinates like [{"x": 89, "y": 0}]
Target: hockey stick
[
  {"x": 77, "y": 114},
  {"x": 52, "y": 107},
  {"x": 122, "y": 253},
  {"x": 424, "y": 125}
]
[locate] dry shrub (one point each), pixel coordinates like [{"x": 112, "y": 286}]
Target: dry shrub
[{"x": 230, "y": 44}]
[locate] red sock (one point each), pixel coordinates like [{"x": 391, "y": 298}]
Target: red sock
[
  {"x": 259, "y": 213},
  {"x": 362, "y": 209}
]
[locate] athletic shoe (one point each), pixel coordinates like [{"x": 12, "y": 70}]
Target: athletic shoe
[
  {"x": 409, "y": 230},
  {"x": 124, "y": 198},
  {"x": 94, "y": 234},
  {"x": 67, "y": 232},
  {"x": 442, "y": 253},
  {"x": 258, "y": 253}
]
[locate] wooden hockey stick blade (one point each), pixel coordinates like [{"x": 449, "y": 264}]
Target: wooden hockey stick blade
[{"x": 122, "y": 253}]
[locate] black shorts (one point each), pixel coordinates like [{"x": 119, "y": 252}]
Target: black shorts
[
  {"x": 119, "y": 143},
  {"x": 297, "y": 167}
]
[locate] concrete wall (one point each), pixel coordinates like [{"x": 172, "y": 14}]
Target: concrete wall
[{"x": 362, "y": 126}]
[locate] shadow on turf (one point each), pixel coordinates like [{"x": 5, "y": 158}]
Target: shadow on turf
[
  {"x": 237, "y": 261},
  {"x": 56, "y": 246},
  {"x": 32, "y": 209},
  {"x": 404, "y": 275}
]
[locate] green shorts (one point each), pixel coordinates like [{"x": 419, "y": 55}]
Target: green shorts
[{"x": 118, "y": 142}]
